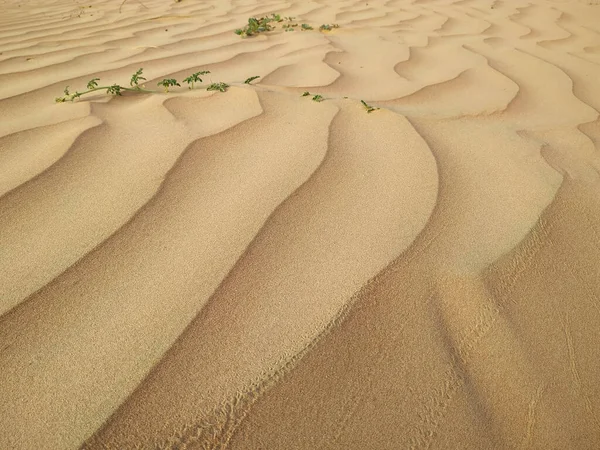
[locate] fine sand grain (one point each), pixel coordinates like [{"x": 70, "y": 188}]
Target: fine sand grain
[{"x": 254, "y": 270}]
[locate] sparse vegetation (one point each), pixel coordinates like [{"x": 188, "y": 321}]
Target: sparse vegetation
[
  {"x": 221, "y": 87},
  {"x": 369, "y": 108},
  {"x": 93, "y": 85},
  {"x": 168, "y": 82},
  {"x": 315, "y": 97},
  {"x": 134, "y": 83},
  {"x": 327, "y": 27},
  {"x": 256, "y": 26},
  {"x": 113, "y": 89},
  {"x": 195, "y": 78},
  {"x": 267, "y": 23},
  {"x": 251, "y": 79},
  {"x": 135, "y": 78}
]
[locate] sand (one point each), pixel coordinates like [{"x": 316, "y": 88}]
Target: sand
[{"x": 256, "y": 270}]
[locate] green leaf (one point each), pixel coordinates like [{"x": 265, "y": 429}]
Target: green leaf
[
  {"x": 369, "y": 108},
  {"x": 251, "y": 79},
  {"x": 136, "y": 78},
  {"x": 222, "y": 87},
  {"x": 93, "y": 83},
  {"x": 115, "y": 89},
  {"x": 327, "y": 27}
]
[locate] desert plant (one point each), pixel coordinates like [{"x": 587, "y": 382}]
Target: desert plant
[
  {"x": 256, "y": 26},
  {"x": 114, "y": 89},
  {"x": 327, "y": 27},
  {"x": 306, "y": 27},
  {"x": 221, "y": 87},
  {"x": 136, "y": 78},
  {"x": 167, "y": 82},
  {"x": 93, "y": 86},
  {"x": 316, "y": 97},
  {"x": 195, "y": 78},
  {"x": 369, "y": 108},
  {"x": 251, "y": 79}
]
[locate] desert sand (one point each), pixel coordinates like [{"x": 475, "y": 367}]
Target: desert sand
[{"x": 252, "y": 269}]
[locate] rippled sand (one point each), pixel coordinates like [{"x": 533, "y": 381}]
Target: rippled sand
[{"x": 255, "y": 270}]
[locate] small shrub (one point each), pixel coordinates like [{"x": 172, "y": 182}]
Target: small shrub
[
  {"x": 195, "y": 78},
  {"x": 166, "y": 83},
  {"x": 327, "y": 27},
  {"x": 221, "y": 87},
  {"x": 256, "y": 26}
]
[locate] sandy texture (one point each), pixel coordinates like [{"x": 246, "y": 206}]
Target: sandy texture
[{"x": 255, "y": 270}]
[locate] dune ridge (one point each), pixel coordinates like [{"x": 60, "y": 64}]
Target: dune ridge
[{"x": 252, "y": 269}]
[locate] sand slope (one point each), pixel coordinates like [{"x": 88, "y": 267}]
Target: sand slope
[{"x": 255, "y": 270}]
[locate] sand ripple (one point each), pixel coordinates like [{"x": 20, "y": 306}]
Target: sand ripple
[{"x": 256, "y": 270}]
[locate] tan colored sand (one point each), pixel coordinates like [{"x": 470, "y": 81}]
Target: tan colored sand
[{"x": 255, "y": 270}]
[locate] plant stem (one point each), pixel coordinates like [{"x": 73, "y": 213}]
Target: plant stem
[{"x": 100, "y": 88}]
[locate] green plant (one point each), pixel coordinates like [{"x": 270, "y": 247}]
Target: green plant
[
  {"x": 289, "y": 26},
  {"x": 316, "y": 97},
  {"x": 222, "y": 87},
  {"x": 306, "y": 27},
  {"x": 167, "y": 82},
  {"x": 113, "y": 89},
  {"x": 195, "y": 78},
  {"x": 369, "y": 108},
  {"x": 256, "y": 26},
  {"x": 92, "y": 84},
  {"x": 251, "y": 79},
  {"x": 136, "y": 78},
  {"x": 327, "y": 27}
]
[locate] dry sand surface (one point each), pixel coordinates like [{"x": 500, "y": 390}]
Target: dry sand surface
[{"x": 255, "y": 270}]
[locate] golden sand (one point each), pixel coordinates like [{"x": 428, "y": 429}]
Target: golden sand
[{"x": 255, "y": 270}]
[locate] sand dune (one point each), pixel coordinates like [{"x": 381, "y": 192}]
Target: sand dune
[{"x": 255, "y": 270}]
